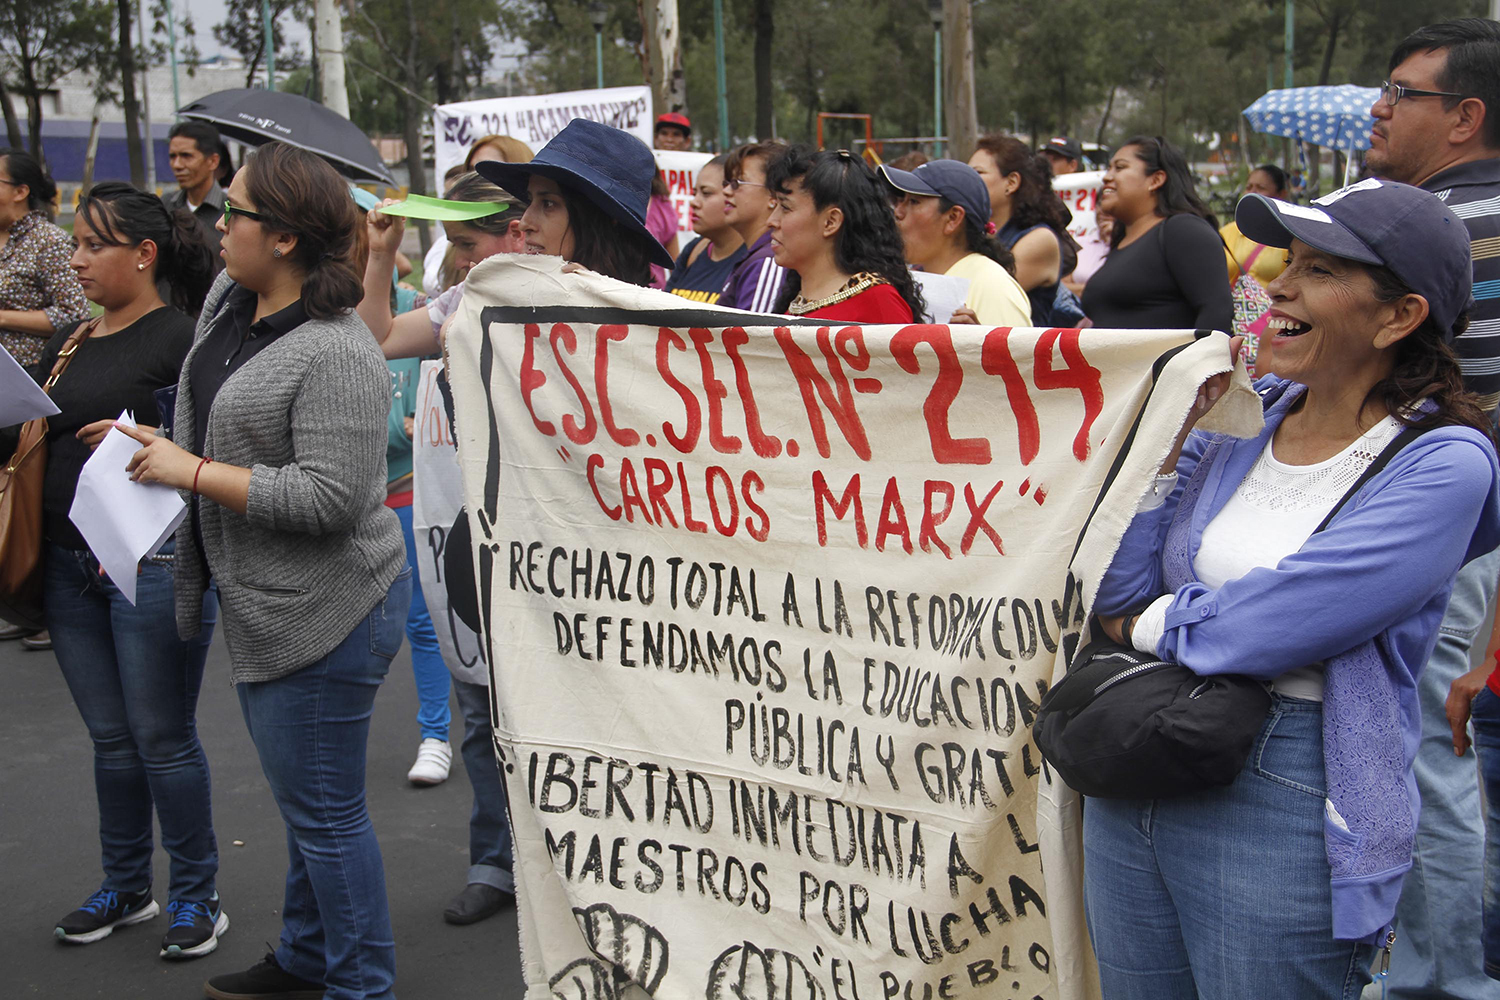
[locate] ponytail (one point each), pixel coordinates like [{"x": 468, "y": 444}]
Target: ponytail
[
  {"x": 41, "y": 189},
  {"x": 978, "y": 239},
  {"x": 305, "y": 197},
  {"x": 122, "y": 215}
]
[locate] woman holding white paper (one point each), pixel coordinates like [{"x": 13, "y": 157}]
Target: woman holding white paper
[
  {"x": 280, "y": 436},
  {"x": 134, "y": 681}
]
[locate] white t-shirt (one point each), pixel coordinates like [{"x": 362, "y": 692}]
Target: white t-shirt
[
  {"x": 432, "y": 266},
  {"x": 1271, "y": 515}
]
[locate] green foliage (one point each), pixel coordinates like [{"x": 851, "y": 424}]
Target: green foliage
[
  {"x": 41, "y": 41},
  {"x": 243, "y": 31},
  {"x": 1183, "y": 68}
]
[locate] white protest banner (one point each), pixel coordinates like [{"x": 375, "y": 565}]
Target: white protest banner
[
  {"x": 535, "y": 119},
  {"x": 1080, "y": 192},
  {"x": 680, "y": 170},
  {"x": 777, "y": 606},
  {"x": 437, "y": 495}
]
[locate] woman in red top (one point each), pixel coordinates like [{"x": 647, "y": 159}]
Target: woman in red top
[{"x": 834, "y": 231}]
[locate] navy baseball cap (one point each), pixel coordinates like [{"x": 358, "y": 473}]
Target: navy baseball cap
[
  {"x": 1064, "y": 147},
  {"x": 1382, "y": 223},
  {"x": 958, "y": 182}
]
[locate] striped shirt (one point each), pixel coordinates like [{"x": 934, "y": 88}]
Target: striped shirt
[
  {"x": 1472, "y": 191},
  {"x": 757, "y": 280}
]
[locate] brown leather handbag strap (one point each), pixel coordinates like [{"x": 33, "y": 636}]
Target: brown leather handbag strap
[{"x": 69, "y": 348}]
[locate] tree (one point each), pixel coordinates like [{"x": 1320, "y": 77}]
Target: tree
[
  {"x": 126, "y": 52},
  {"x": 44, "y": 40},
  {"x": 242, "y": 31}
]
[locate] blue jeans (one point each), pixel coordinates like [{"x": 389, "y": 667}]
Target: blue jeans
[
  {"x": 136, "y": 686},
  {"x": 310, "y": 729},
  {"x": 433, "y": 714},
  {"x": 490, "y": 856},
  {"x": 1486, "y": 722},
  {"x": 1437, "y": 953},
  {"x": 1223, "y": 894}
]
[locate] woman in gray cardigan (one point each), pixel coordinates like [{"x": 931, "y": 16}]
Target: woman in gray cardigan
[{"x": 280, "y": 436}]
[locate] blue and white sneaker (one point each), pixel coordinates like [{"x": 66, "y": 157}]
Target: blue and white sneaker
[
  {"x": 103, "y": 912},
  {"x": 195, "y": 927}
]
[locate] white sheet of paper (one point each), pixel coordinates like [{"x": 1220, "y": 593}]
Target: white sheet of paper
[
  {"x": 21, "y": 399},
  {"x": 123, "y": 521},
  {"x": 943, "y": 294}
]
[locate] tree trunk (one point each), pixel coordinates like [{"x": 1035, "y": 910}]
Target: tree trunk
[
  {"x": 1109, "y": 109},
  {"x": 34, "y": 116},
  {"x": 12, "y": 124},
  {"x": 765, "y": 31},
  {"x": 960, "y": 109},
  {"x": 1328, "y": 49},
  {"x": 90, "y": 154},
  {"x": 126, "y": 56},
  {"x": 414, "y": 166},
  {"x": 329, "y": 58},
  {"x": 661, "y": 55}
]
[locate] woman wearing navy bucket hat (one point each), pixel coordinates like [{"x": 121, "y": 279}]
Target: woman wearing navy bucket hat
[
  {"x": 587, "y": 193},
  {"x": 1244, "y": 559}
]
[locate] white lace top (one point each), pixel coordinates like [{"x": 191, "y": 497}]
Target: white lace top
[{"x": 1270, "y": 516}]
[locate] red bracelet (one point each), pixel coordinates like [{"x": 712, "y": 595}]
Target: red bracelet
[{"x": 204, "y": 461}]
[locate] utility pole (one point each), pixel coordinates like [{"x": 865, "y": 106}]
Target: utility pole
[
  {"x": 269, "y": 44},
  {"x": 172, "y": 54},
  {"x": 330, "y": 42},
  {"x": 1291, "y": 40},
  {"x": 140, "y": 24},
  {"x": 935, "y": 11},
  {"x": 719, "y": 75}
]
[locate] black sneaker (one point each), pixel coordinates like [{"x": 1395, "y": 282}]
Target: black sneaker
[
  {"x": 264, "y": 979},
  {"x": 195, "y": 928},
  {"x": 104, "y": 911}
]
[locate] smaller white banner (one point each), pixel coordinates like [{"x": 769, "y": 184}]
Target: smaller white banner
[
  {"x": 1080, "y": 192},
  {"x": 535, "y": 119},
  {"x": 437, "y": 496},
  {"x": 680, "y": 171}
]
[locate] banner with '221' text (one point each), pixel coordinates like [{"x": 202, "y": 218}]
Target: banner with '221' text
[{"x": 769, "y": 608}]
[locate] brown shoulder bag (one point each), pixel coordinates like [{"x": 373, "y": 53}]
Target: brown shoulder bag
[{"x": 21, "y": 507}]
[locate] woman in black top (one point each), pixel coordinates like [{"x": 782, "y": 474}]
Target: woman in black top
[
  {"x": 134, "y": 681},
  {"x": 1165, "y": 268}
]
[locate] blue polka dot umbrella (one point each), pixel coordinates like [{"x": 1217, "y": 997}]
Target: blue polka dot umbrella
[{"x": 1333, "y": 117}]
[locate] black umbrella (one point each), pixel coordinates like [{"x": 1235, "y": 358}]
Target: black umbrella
[{"x": 255, "y": 117}]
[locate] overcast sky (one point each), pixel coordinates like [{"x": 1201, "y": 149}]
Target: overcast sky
[{"x": 207, "y": 13}]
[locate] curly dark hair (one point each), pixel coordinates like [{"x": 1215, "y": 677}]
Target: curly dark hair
[
  {"x": 1179, "y": 194},
  {"x": 868, "y": 240},
  {"x": 1426, "y": 369},
  {"x": 1034, "y": 201}
]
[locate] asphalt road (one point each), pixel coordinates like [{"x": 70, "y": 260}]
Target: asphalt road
[{"x": 49, "y": 851}]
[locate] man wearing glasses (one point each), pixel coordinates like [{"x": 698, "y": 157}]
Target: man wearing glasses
[{"x": 1437, "y": 125}]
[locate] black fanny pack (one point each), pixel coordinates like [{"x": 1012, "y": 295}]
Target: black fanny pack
[{"x": 1122, "y": 724}]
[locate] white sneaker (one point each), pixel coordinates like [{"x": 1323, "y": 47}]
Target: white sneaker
[{"x": 434, "y": 757}]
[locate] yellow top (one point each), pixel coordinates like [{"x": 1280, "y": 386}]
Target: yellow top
[
  {"x": 995, "y": 296},
  {"x": 1264, "y": 266}
]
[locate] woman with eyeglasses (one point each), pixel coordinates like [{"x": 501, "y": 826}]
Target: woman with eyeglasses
[
  {"x": 834, "y": 231},
  {"x": 280, "y": 438},
  {"x": 756, "y": 281},
  {"x": 1165, "y": 267},
  {"x": 39, "y": 294}
]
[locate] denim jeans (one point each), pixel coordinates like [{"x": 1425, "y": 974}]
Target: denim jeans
[
  {"x": 490, "y": 856},
  {"x": 136, "y": 685},
  {"x": 310, "y": 729},
  {"x": 1225, "y": 893},
  {"x": 1486, "y": 722},
  {"x": 1437, "y": 953},
  {"x": 427, "y": 667}
]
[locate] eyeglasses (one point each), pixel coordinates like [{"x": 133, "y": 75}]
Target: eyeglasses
[
  {"x": 1393, "y": 92},
  {"x": 230, "y": 211},
  {"x": 736, "y": 184}
]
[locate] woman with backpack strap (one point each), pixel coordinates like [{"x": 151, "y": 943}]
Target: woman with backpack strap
[{"x": 1284, "y": 882}]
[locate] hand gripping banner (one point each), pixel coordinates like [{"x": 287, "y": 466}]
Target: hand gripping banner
[{"x": 769, "y": 609}]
